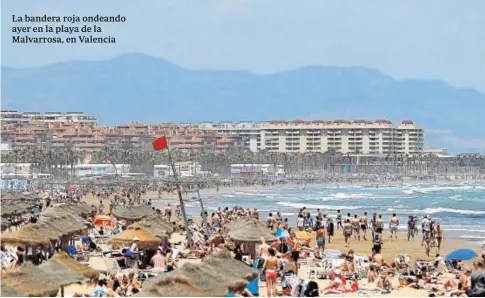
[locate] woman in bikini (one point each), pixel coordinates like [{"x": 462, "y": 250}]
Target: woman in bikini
[
  {"x": 439, "y": 236},
  {"x": 336, "y": 286},
  {"x": 347, "y": 232},
  {"x": 271, "y": 265}
]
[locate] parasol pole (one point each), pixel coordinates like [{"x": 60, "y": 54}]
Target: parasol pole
[
  {"x": 204, "y": 215},
  {"x": 179, "y": 191}
]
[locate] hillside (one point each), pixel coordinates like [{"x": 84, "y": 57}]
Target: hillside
[{"x": 136, "y": 87}]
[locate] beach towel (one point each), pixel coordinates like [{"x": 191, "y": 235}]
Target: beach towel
[{"x": 370, "y": 293}]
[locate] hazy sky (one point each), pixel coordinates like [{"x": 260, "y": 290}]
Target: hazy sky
[{"x": 434, "y": 39}]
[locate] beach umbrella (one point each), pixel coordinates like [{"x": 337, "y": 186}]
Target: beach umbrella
[
  {"x": 282, "y": 233},
  {"x": 302, "y": 235},
  {"x": 146, "y": 240},
  {"x": 74, "y": 266},
  {"x": 252, "y": 232},
  {"x": 172, "y": 286},
  {"x": 464, "y": 254}
]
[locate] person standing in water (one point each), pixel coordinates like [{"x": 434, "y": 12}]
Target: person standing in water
[
  {"x": 339, "y": 220},
  {"x": 374, "y": 224},
  {"x": 364, "y": 225},
  {"x": 393, "y": 225}
]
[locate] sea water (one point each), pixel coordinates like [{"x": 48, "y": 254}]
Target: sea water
[{"x": 458, "y": 207}]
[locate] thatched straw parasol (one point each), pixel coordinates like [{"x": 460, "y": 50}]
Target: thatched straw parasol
[
  {"x": 172, "y": 286},
  {"x": 79, "y": 209},
  {"x": 66, "y": 223},
  {"x": 155, "y": 226},
  {"x": 133, "y": 212},
  {"x": 64, "y": 259},
  {"x": 240, "y": 222},
  {"x": 10, "y": 292},
  {"x": 32, "y": 281},
  {"x": 26, "y": 235},
  {"x": 209, "y": 278},
  {"x": 15, "y": 208},
  {"x": 252, "y": 232},
  {"x": 147, "y": 241},
  {"x": 161, "y": 222},
  {"x": 61, "y": 272},
  {"x": 227, "y": 265}
]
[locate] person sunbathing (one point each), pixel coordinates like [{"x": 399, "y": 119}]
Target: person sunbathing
[
  {"x": 426, "y": 283},
  {"x": 336, "y": 286},
  {"x": 349, "y": 263},
  {"x": 377, "y": 285},
  {"x": 372, "y": 276},
  {"x": 378, "y": 259}
]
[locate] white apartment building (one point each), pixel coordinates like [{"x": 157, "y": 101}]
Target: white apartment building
[
  {"x": 23, "y": 118},
  {"x": 248, "y": 131},
  {"x": 380, "y": 137}
]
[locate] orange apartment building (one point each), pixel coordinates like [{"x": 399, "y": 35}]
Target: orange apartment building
[{"x": 19, "y": 130}]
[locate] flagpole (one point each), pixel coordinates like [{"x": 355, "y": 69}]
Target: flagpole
[
  {"x": 182, "y": 206},
  {"x": 204, "y": 215}
]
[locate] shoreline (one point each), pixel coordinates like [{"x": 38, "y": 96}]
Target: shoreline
[
  {"x": 224, "y": 195},
  {"x": 227, "y": 190}
]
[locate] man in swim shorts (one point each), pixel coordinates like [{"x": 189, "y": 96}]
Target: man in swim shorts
[
  {"x": 393, "y": 225},
  {"x": 411, "y": 225},
  {"x": 320, "y": 238},
  {"x": 363, "y": 224},
  {"x": 355, "y": 227},
  {"x": 339, "y": 220}
]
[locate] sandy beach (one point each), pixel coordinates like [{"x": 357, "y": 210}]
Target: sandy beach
[{"x": 363, "y": 248}]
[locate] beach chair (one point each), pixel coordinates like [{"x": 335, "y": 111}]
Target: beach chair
[
  {"x": 78, "y": 256},
  {"x": 332, "y": 254},
  {"x": 362, "y": 266},
  {"x": 99, "y": 239},
  {"x": 323, "y": 268},
  {"x": 7, "y": 259}
]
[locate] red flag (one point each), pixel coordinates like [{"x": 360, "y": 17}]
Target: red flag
[{"x": 160, "y": 143}]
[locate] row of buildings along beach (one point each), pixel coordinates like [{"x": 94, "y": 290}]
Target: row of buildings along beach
[{"x": 79, "y": 131}]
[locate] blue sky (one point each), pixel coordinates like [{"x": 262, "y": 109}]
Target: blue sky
[{"x": 435, "y": 39}]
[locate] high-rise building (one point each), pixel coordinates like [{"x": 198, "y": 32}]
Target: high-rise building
[
  {"x": 380, "y": 137},
  {"x": 359, "y": 137}
]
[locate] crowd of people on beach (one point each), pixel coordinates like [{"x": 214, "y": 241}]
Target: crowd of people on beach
[{"x": 279, "y": 263}]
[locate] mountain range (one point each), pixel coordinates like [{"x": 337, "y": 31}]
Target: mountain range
[{"x": 137, "y": 87}]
